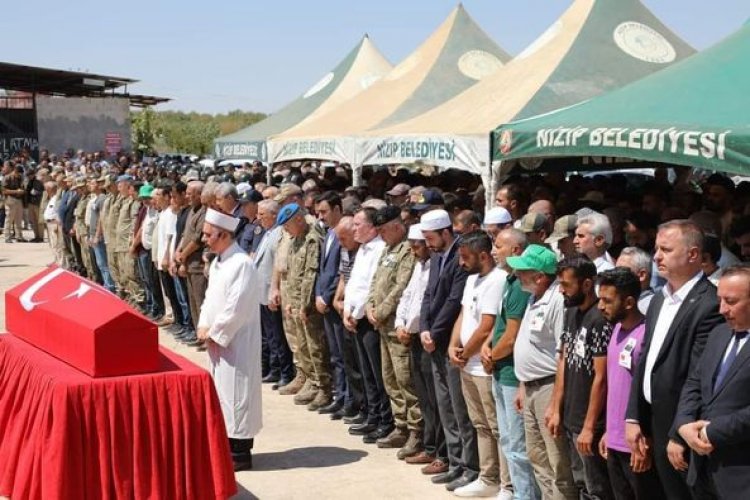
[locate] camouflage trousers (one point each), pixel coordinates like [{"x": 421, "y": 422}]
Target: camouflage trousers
[{"x": 398, "y": 382}]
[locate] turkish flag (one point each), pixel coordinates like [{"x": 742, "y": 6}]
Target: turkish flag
[{"x": 82, "y": 324}]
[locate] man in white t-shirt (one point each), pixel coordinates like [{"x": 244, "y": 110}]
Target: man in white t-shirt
[{"x": 479, "y": 307}]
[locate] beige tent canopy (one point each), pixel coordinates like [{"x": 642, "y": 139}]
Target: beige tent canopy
[
  {"x": 363, "y": 66},
  {"x": 594, "y": 47},
  {"x": 452, "y": 59}
]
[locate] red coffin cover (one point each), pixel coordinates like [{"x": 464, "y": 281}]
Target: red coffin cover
[{"x": 82, "y": 324}]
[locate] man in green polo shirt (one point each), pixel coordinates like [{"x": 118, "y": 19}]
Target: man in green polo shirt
[{"x": 497, "y": 358}]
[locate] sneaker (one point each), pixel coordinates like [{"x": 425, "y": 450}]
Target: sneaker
[
  {"x": 505, "y": 494},
  {"x": 477, "y": 488}
]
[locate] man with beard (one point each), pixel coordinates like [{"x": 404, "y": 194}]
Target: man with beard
[
  {"x": 535, "y": 359},
  {"x": 440, "y": 308},
  {"x": 740, "y": 233},
  {"x": 582, "y": 374},
  {"x": 630, "y": 473},
  {"x": 479, "y": 307}
]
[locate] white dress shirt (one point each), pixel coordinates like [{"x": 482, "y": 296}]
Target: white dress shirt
[
  {"x": 358, "y": 287},
  {"x": 50, "y": 211},
  {"x": 410, "y": 306},
  {"x": 604, "y": 262},
  {"x": 669, "y": 309}
]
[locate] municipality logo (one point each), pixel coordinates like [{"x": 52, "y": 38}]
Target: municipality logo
[{"x": 506, "y": 142}]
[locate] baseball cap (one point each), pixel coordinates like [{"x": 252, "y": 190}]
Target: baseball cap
[
  {"x": 250, "y": 196},
  {"x": 564, "y": 227},
  {"x": 286, "y": 213},
  {"x": 534, "y": 258},
  {"x": 428, "y": 198},
  {"x": 125, "y": 178},
  {"x": 399, "y": 190},
  {"x": 146, "y": 191},
  {"x": 532, "y": 222},
  {"x": 286, "y": 191},
  {"x": 386, "y": 215}
]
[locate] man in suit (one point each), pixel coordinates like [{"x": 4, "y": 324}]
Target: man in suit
[
  {"x": 440, "y": 308},
  {"x": 328, "y": 209},
  {"x": 714, "y": 412},
  {"x": 677, "y": 326}
]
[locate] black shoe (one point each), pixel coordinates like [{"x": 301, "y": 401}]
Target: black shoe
[
  {"x": 270, "y": 378},
  {"x": 381, "y": 432},
  {"x": 241, "y": 465},
  {"x": 362, "y": 429},
  {"x": 447, "y": 477},
  {"x": 183, "y": 333},
  {"x": 466, "y": 478},
  {"x": 331, "y": 408},
  {"x": 344, "y": 412},
  {"x": 359, "y": 418}
]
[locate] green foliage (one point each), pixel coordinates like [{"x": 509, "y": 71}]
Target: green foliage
[
  {"x": 189, "y": 133},
  {"x": 143, "y": 131}
]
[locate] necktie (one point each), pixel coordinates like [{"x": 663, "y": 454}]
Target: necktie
[{"x": 727, "y": 363}]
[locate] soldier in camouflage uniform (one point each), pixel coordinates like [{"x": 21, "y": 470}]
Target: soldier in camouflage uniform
[
  {"x": 81, "y": 230},
  {"x": 123, "y": 239},
  {"x": 388, "y": 284},
  {"x": 110, "y": 230},
  {"x": 304, "y": 261}
]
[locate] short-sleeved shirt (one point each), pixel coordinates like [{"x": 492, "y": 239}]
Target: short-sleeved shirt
[
  {"x": 622, "y": 357},
  {"x": 585, "y": 337},
  {"x": 535, "y": 350},
  {"x": 514, "y": 305},
  {"x": 482, "y": 295}
]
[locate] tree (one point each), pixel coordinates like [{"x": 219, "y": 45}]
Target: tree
[{"x": 143, "y": 131}]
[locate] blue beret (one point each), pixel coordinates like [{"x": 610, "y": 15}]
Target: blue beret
[{"x": 287, "y": 213}]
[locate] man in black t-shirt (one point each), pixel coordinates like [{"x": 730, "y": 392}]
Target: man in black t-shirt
[{"x": 582, "y": 370}]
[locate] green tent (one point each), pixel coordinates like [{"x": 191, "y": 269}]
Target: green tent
[
  {"x": 362, "y": 67},
  {"x": 694, "y": 113}
]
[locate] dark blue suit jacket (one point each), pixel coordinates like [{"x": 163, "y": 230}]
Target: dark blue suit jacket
[
  {"x": 728, "y": 410},
  {"x": 442, "y": 298},
  {"x": 328, "y": 277}
]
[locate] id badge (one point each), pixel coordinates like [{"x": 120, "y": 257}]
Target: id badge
[
  {"x": 537, "y": 322},
  {"x": 580, "y": 344},
  {"x": 626, "y": 354}
]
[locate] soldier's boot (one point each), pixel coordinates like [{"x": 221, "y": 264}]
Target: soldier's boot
[
  {"x": 396, "y": 439},
  {"x": 307, "y": 394},
  {"x": 295, "y": 385},
  {"x": 322, "y": 398},
  {"x": 412, "y": 446}
]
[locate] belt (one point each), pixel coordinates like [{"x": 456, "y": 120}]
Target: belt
[{"x": 540, "y": 381}]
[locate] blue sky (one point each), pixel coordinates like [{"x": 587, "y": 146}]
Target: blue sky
[{"x": 257, "y": 55}]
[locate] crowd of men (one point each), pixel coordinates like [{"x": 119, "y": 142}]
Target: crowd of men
[{"x": 568, "y": 343}]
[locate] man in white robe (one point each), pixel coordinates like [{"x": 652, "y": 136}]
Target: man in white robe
[{"x": 230, "y": 323}]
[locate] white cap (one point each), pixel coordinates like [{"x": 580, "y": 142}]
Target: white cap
[
  {"x": 435, "y": 220},
  {"x": 375, "y": 203},
  {"x": 223, "y": 221},
  {"x": 243, "y": 187},
  {"x": 497, "y": 215},
  {"x": 415, "y": 232}
]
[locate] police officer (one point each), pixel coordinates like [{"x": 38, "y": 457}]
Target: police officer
[
  {"x": 304, "y": 259},
  {"x": 394, "y": 270}
]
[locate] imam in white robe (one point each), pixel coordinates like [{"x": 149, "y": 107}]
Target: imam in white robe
[{"x": 231, "y": 312}]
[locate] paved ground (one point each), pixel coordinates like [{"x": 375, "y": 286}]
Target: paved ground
[{"x": 298, "y": 454}]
